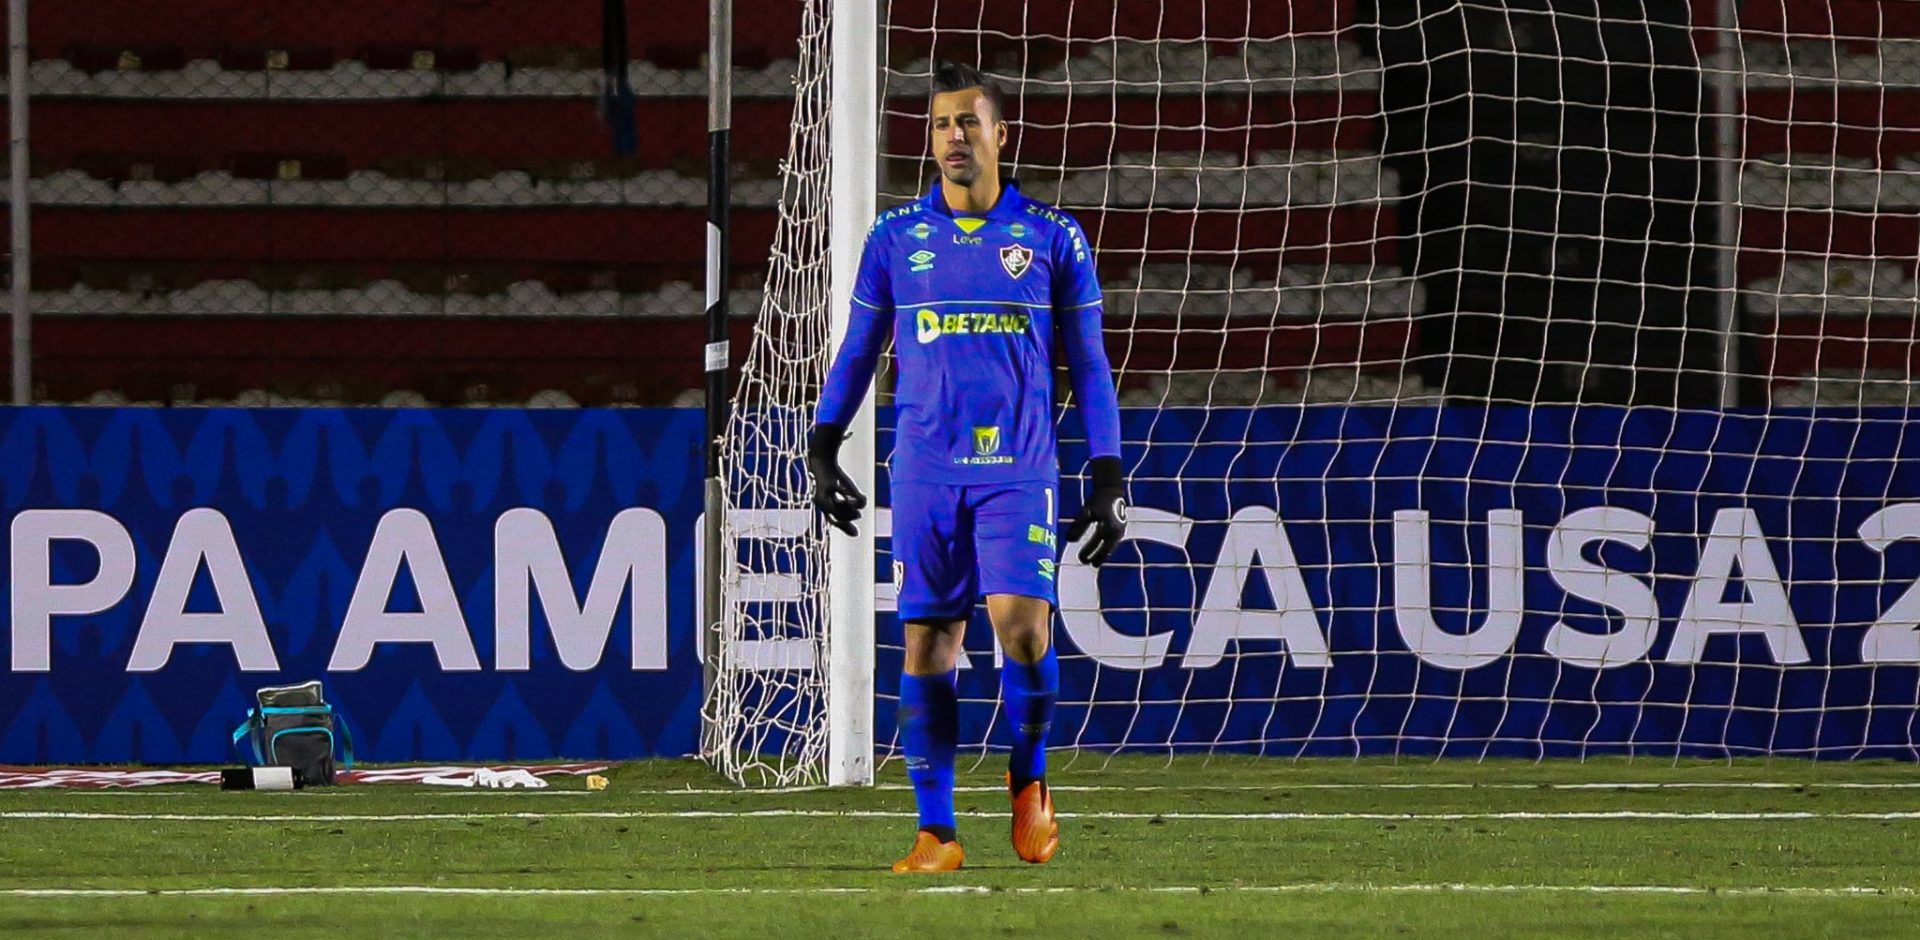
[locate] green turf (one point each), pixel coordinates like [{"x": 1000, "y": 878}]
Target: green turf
[{"x": 1227, "y": 847}]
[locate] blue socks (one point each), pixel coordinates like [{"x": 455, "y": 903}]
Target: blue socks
[
  {"x": 1027, "y": 693},
  {"x": 929, "y": 733}
]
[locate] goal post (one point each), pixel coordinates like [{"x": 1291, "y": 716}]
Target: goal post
[
  {"x": 790, "y": 701},
  {"x": 854, "y": 158}
]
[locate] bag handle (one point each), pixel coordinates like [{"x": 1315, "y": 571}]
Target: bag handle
[
  {"x": 346, "y": 741},
  {"x": 245, "y": 730}
]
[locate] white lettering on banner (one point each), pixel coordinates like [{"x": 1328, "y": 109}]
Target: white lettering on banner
[
  {"x": 1617, "y": 591},
  {"x": 1736, "y": 536},
  {"x": 762, "y": 587},
  {"x": 756, "y": 654},
  {"x": 886, "y": 594},
  {"x": 36, "y": 600},
  {"x": 404, "y": 535},
  {"x": 203, "y": 536},
  {"x": 1734, "y": 560},
  {"x": 1257, "y": 540},
  {"x": 1412, "y": 593},
  {"x": 1892, "y": 638},
  {"x": 1080, "y": 609},
  {"x": 527, "y": 557}
]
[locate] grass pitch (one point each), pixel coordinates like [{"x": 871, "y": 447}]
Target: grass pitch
[{"x": 1151, "y": 847}]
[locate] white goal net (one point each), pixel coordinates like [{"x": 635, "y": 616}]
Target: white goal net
[
  {"x": 1520, "y": 378},
  {"x": 765, "y": 715}
]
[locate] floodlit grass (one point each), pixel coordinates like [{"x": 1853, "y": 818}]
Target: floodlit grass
[{"x": 1227, "y": 847}]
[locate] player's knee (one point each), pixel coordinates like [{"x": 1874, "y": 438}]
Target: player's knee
[
  {"x": 930, "y": 662},
  {"x": 1024, "y": 642},
  {"x": 932, "y": 648}
]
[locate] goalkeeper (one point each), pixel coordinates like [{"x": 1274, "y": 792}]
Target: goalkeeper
[{"x": 977, "y": 283}]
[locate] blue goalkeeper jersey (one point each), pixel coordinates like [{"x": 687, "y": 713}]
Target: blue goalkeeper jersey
[{"x": 975, "y": 304}]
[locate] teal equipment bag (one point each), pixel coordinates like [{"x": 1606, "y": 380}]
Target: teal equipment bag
[{"x": 293, "y": 726}]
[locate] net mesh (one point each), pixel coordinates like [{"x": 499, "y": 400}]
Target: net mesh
[
  {"x": 765, "y": 716},
  {"x": 1635, "y": 214}
]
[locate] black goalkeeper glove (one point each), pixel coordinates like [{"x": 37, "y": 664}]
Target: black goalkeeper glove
[
  {"x": 1105, "y": 511},
  {"x": 833, "y": 491}
]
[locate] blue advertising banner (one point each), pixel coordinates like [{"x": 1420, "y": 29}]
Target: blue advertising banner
[
  {"x": 1516, "y": 581},
  {"x": 481, "y": 584},
  {"x": 496, "y": 584}
]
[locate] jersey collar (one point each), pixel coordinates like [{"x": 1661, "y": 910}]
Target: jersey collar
[{"x": 1006, "y": 207}]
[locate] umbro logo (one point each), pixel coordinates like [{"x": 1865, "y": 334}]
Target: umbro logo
[{"x": 1016, "y": 259}]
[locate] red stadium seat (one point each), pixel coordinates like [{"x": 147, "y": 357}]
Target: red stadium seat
[
  {"x": 596, "y": 361},
  {"x": 520, "y": 133},
  {"x": 54, "y": 274},
  {"x": 564, "y": 57},
  {"x": 1097, "y": 19},
  {"x": 135, "y": 276},
  {"x": 1768, "y": 235},
  {"x": 505, "y": 133},
  {"x": 610, "y": 235},
  {"x": 401, "y": 56},
  {"x": 260, "y": 58},
  {"x": 126, "y": 57},
  {"x": 288, "y": 165},
  {"x": 437, "y": 168},
  {"x": 117, "y": 167},
  {"x": 303, "y": 276},
  {"x": 1882, "y": 124},
  {"x": 1870, "y": 19},
  {"x": 1805, "y": 345}
]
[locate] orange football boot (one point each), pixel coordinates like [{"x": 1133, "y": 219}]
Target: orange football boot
[
  {"x": 931, "y": 855},
  {"x": 1036, "y": 834}
]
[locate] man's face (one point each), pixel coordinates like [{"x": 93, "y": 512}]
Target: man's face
[{"x": 967, "y": 135}]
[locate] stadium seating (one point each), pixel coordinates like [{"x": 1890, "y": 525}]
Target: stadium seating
[
  {"x": 204, "y": 27},
  {"x": 428, "y": 159}
]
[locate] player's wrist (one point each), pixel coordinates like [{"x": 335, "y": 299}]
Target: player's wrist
[
  {"x": 823, "y": 442},
  {"x": 1106, "y": 475}
]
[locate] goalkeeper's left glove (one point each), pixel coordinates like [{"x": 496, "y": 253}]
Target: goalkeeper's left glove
[{"x": 1105, "y": 511}]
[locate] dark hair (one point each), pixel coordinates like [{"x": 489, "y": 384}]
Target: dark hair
[{"x": 953, "y": 76}]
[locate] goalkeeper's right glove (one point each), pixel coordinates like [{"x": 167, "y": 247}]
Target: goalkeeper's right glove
[{"x": 833, "y": 491}]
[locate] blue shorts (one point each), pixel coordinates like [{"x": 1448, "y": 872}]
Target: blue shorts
[{"x": 953, "y": 545}]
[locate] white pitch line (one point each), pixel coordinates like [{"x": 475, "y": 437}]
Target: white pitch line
[
  {"x": 1644, "y": 785},
  {"x": 1299, "y": 888},
  {"x": 889, "y": 814},
  {"x": 1277, "y": 787},
  {"x": 339, "y": 792}
]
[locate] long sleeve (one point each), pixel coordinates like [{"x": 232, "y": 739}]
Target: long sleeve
[
  {"x": 1077, "y": 315},
  {"x": 868, "y": 325},
  {"x": 1092, "y": 378}
]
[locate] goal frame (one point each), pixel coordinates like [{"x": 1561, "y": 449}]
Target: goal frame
[
  {"x": 857, "y": 40},
  {"x": 854, "y": 159}
]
